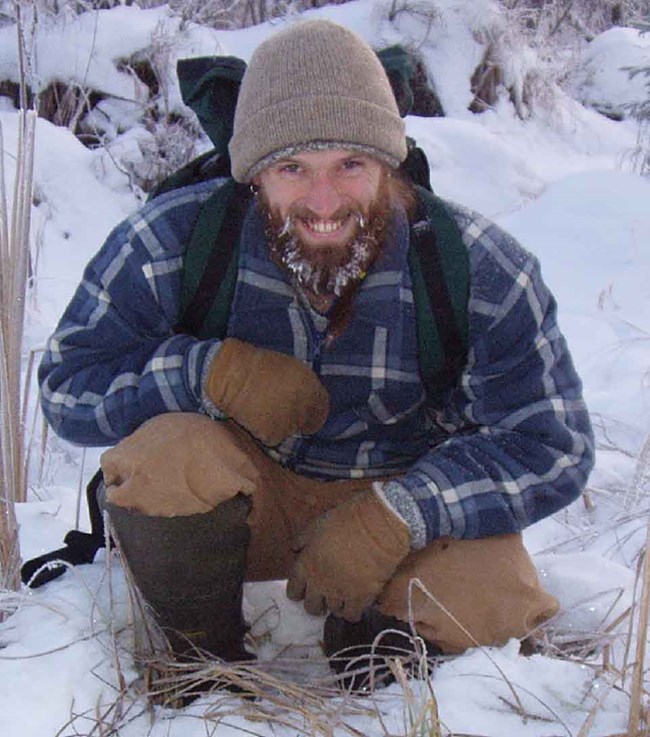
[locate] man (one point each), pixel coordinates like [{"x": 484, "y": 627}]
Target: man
[{"x": 303, "y": 445}]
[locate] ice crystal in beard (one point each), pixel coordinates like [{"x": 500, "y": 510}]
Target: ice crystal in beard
[{"x": 325, "y": 270}]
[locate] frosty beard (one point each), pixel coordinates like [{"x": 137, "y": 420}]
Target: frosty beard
[
  {"x": 331, "y": 270},
  {"x": 336, "y": 270}
]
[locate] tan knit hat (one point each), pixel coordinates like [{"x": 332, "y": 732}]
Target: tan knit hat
[{"x": 314, "y": 85}]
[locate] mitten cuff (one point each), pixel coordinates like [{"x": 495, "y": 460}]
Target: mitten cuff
[
  {"x": 207, "y": 405},
  {"x": 402, "y": 504}
]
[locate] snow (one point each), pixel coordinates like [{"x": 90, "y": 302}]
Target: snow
[
  {"x": 560, "y": 183},
  {"x": 602, "y": 77},
  {"x": 453, "y": 47},
  {"x": 94, "y": 42},
  {"x": 594, "y": 246}
]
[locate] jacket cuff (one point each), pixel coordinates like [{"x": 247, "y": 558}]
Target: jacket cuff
[{"x": 402, "y": 504}]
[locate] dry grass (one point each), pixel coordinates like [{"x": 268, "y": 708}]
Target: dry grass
[
  {"x": 271, "y": 691},
  {"x": 630, "y": 676},
  {"x": 14, "y": 256},
  {"x": 14, "y": 259},
  {"x": 639, "y": 719}
]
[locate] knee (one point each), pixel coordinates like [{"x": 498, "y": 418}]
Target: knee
[
  {"x": 178, "y": 464},
  {"x": 470, "y": 592}
]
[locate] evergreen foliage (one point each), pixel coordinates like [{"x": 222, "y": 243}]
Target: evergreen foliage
[{"x": 641, "y": 112}]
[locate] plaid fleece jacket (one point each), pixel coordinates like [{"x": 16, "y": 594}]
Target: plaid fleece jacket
[{"x": 512, "y": 444}]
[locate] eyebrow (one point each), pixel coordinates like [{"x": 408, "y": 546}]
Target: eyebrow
[{"x": 346, "y": 157}]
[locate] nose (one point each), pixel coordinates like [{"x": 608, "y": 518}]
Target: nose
[{"x": 323, "y": 197}]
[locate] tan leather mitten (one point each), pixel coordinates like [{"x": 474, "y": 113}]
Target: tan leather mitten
[
  {"x": 269, "y": 394},
  {"x": 178, "y": 464},
  {"x": 347, "y": 556}
]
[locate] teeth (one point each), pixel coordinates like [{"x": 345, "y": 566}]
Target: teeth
[{"x": 325, "y": 226}]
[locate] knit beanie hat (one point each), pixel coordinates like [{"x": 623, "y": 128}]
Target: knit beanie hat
[{"x": 314, "y": 85}]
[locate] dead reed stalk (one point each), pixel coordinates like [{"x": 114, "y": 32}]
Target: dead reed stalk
[
  {"x": 14, "y": 257},
  {"x": 635, "y": 727}
]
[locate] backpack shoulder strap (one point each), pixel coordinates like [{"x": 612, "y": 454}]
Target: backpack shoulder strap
[
  {"x": 210, "y": 265},
  {"x": 439, "y": 266}
]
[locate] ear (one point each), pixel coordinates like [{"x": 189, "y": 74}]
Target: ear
[{"x": 256, "y": 183}]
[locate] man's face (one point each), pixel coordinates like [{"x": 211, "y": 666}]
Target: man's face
[
  {"x": 327, "y": 212},
  {"x": 322, "y": 191}
]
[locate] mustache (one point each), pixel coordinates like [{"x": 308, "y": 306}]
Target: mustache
[
  {"x": 302, "y": 212},
  {"x": 327, "y": 269}
]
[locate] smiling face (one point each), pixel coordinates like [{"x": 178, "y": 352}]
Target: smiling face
[
  {"x": 325, "y": 194},
  {"x": 327, "y": 212}
]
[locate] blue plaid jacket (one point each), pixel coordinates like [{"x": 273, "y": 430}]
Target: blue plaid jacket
[{"x": 512, "y": 444}]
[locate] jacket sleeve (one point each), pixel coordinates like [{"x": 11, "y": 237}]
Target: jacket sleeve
[
  {"x": 520, "y": 445},
  {"x": 114, "y": 360}
]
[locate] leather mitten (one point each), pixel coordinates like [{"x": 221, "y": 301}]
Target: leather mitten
[
  {"x": 347, "y": 556},
  {"x": 269, "y": 394},
  {"x": 178, "y": 464}
]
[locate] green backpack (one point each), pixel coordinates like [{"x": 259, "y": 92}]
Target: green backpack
[{"x": 437, "y": 260}]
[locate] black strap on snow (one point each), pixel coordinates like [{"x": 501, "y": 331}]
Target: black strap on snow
[{"x": 79, "y": 547}]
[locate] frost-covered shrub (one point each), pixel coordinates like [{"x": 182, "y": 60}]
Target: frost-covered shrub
[
  {"x": 601, "y": 79},
  {"x": 548, "y": 20},
  {"x": 508, "y": 68},
  {"x": 241, "y": 13},
  {"x": 558, "y": 32},
  {"x": 167, "y": 145},
  {"x": 489, "y": 54},
  {"x": 62, "y": 7}
]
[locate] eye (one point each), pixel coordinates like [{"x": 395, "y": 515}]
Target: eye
[
  {"x": 288, "y": 167},
  {"x": 353, "y": 164}
]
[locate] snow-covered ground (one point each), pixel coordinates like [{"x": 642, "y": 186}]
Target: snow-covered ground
[{"x": 559, "y": 182}]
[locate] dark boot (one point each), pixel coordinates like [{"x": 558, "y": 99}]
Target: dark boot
[
  {"x": 362, "y": 667},
  {"x": 190, "y": 571}
]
